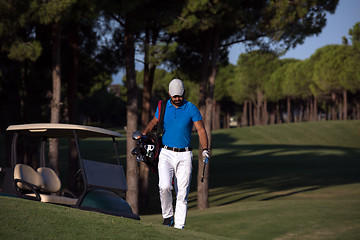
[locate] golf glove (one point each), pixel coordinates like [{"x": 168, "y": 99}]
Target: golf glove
[{"x": 206, "y": 155}]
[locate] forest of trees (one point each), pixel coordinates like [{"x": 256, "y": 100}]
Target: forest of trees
[
  {"x": 265, "y": 89},
  {"x": 269, "y": 90},
  {"x": 57, "y": 59}
]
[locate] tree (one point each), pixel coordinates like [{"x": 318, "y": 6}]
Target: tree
[
  {"x": 239, "y": 91},
  {"x": 155, "y": 43},
  {"x": 155, "y": 16},
  {"x": 132, "y": 170},
  {"x": 72, "y": 98},
  {"x": 88, "y": 63},
  {"x": 52, "y": 13},
  {"x": 256, "y": 68},
  {"x": 222, "y": 96},
  {"x": 290, "y": 86},
  {"x": 303, "y": 87},
  {"x": 33, "y": 16},
  {"x": 124, "y": 14},
  {"x": 274, "y": 90},
  {"x": 56, "y": 95},
  {"x": 350, "y": 77},
  {"x": 327, "y": 71},
  {"x": 18, "y": 50},
  {"x": 355, "y": 37}
]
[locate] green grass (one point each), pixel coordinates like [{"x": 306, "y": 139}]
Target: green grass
[
  {"x": 290, "y": 181},
  {"x": 23, "y": 219},
  {"x": 262, "y": 161}
]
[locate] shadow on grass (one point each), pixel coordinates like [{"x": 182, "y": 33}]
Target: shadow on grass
[{"x": 268, "y": 172}]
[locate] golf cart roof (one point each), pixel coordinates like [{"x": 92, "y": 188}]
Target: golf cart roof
[{"x": 60, "y": 130}]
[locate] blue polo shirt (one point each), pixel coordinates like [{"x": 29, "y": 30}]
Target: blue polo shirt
[{"x": 178, "y": 124}]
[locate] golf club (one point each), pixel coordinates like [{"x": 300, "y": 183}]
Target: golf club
[
  {"x": 203, "y": 174},
  {"x": 136, "y": 135}
]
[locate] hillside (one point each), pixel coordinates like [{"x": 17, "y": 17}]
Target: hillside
[{"x": 290, "y": 181}]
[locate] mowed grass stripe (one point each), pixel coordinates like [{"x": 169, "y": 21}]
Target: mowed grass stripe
[
  {"x": 285, "y": 219},
  {"x": 324, "y": 133}
]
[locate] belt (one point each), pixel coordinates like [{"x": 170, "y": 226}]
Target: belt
[{"x": 177, "y": 149}]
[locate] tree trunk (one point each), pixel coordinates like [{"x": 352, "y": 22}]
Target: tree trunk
[
  {"x": 143, "y": 186},
  {"x": 312, "y": 111},
  {"x": 272, "y": 114},
  {"x": 202, "y": 191},
  {"x": 204, "y": 73},
  {"x": 345, "y": 110},
  {"x": 145, "y": 118},
  {"x": 216, "y": 115},
  {"x": 203, "y": 187},
  {"x": 333, "y": 105},
  {"x": 146, "y": 114},
  {"x": 251, "y": 115},
  {"x": 226, "y": 117},
  {"x": 272, "y": 118},
  {"x": 258, "y": 108},
  {"x": 265, "y": 113},
  {"x": 301, "y": 115},
  {"x": 244, "y": 117},
  {"x": 132, "y": 169},
  {"x": 149, "y": 72},
  {"x": 56, "y": 95},
  {"x": 255, "y": 113},
  {"x": 288, "y": 109},
  {"x": 72, "y": 90},
  {"x": 327, "y": 110},
  {"x": 307, "y": 110},
  {"x": 340, "y": 109},
  {"x": 278, "y": 116},
  {"x": 315, "y": 109},
  {"x": 294, "y": 112}
]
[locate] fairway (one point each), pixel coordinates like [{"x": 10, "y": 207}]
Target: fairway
[{"x": 290, "y": 181}]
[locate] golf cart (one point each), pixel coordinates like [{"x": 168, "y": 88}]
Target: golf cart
[{"x": 103, "y": 184}]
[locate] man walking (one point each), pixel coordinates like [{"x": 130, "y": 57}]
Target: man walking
[{"x": 175, "y": 159}]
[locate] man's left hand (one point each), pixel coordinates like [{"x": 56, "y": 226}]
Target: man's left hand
[{"x": 206, "y": 155}]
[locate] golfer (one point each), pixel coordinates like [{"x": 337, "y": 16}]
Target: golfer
[{"x": 175, "y": 159}]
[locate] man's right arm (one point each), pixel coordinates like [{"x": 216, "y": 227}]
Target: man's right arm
[{"x": 150, "y": 126}]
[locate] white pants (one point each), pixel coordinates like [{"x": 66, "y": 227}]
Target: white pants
[{"x": 177, "y": 165}]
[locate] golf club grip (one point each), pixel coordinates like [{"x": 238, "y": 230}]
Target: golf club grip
[{"x": 203, "y": 174}]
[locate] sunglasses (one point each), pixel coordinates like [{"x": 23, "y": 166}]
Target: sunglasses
[{"x": 177, "y": 96}]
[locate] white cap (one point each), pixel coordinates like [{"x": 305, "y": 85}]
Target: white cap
[{"x": 176, "y": 87}]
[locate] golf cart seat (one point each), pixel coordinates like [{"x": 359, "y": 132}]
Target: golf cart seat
[
  {"x": 105, "y": 188},
  {"x": 104, "y": 175},
  {"x": 39, "y": 185},
  {"x": 26, "y": 177},
  {"x": 51, "y": 181}
]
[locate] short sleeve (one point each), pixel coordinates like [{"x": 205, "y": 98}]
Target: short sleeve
[
  {"x": 196, "y": 115},
  {"x": 157, "y": 112}
]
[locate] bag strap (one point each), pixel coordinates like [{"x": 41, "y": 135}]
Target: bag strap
[{"x": 161, "y": 107}]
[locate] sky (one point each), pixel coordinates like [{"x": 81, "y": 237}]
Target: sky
[{"x": 346, "y": 15}]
